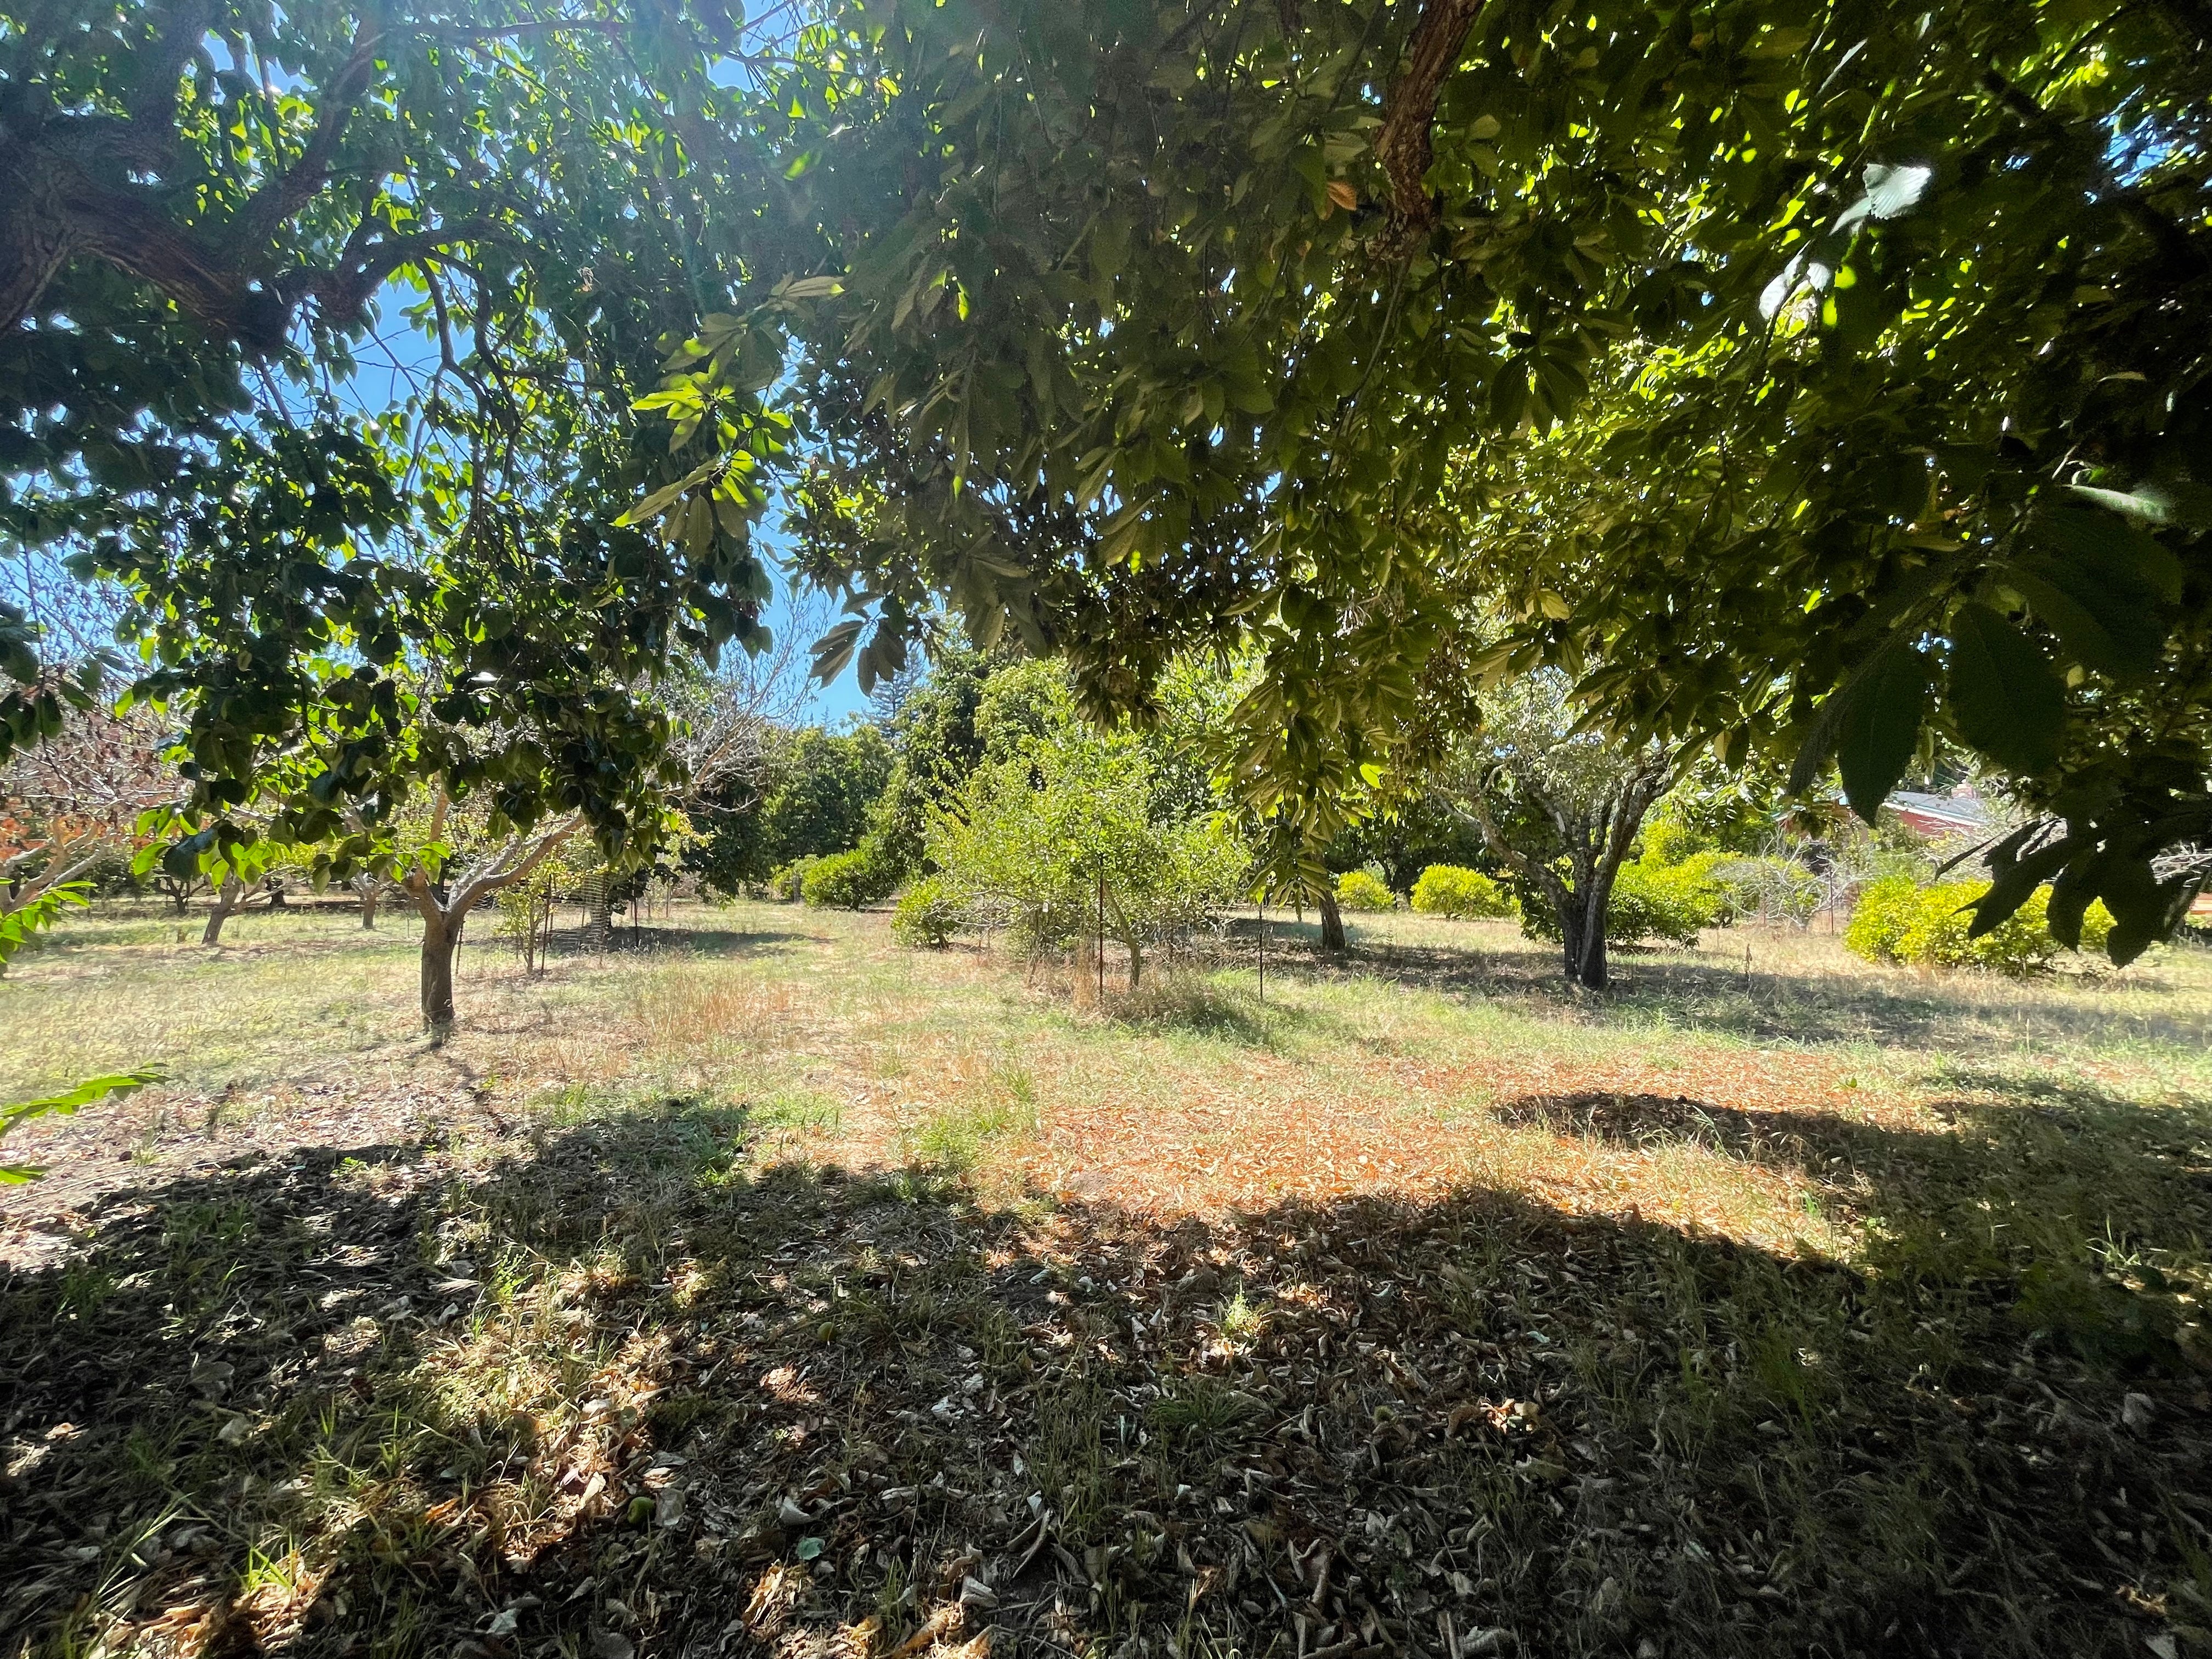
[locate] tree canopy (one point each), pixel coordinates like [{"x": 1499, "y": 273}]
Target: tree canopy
[
  {"x": 213, "y": 210},
  {"x": 1161, "y": 326},
  {"x": 1799, "y": 376}
]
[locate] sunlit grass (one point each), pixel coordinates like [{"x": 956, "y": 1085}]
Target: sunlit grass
[
  {"x": 1423, "y": 1061},
  {"x": 1478, "y": 1202}
]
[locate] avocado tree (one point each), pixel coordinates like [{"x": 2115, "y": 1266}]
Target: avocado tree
[
  {"x": 1158, "y": 327},
  {"x": 1557, "y": 807},
  {"x": 347, "y": 607}
]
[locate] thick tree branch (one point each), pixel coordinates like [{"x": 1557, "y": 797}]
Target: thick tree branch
[
  {"x": 290, "y": 191},
  {"x": 1409, "y": 111},
  {"x": 177, "y": 32},
  {"x": 73, "y": 186},
  {"x": 135, "y": 234},
  {"x": 344, "y": 287}
]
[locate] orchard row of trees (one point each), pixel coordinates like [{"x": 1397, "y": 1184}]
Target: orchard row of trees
[
  {"x": 985, "y": 799},
  {"x": 1810, "y": 384}
]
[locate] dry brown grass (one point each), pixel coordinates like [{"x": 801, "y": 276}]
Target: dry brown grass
[{"x": 1834, "y": 1309}]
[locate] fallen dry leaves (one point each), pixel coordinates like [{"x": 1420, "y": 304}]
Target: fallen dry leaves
[{"x": 1396, "y": 1358}]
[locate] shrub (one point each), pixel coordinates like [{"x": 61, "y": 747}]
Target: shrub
[
  {"x": 2096, "y": 928},
  {"x": 1897, "y": 920},
  {"x": 1452, "y": 889},
  {"x": 846, "y": 881},
  {"x": 1358, "y": 889},
  {"x": 1884, "y": 910},
  {"x": 1668, "y": 842},
  {"x": 928, "y": 914},
  {"x": 1674, "y": 902}
]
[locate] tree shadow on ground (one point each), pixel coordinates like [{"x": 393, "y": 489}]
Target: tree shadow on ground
[
  {"x": 1922, "y": 1011},
  {"x": 2098, "y": 1206},
  {"x": 617, "y": 1388}
]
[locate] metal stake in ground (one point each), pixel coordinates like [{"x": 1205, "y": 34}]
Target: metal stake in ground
[
  {"x": 1100, "y": 950},
  {"x": 1263, "y": 947}
]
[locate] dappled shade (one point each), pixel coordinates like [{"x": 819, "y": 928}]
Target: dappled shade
[{"x": 624, "y": 1388}]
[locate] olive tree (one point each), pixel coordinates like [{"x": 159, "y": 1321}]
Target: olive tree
[{"x": 1557, "y": 806}]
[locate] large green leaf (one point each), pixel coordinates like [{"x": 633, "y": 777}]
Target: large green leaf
[
  {"x": 1869, "y": 726},
  {"x": 1880, "y": 725},
  {"x": 84, "y": 1094},
  {"x": 2110, "y": 626},
  {"x": 2102, "y": 548},
  {"x": 2008, "y": 700}
]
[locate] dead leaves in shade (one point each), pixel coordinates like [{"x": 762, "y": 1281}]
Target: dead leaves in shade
[{"x": 844, "y": 1421}]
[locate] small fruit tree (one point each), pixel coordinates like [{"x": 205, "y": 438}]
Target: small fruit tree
[
  {"x": 1559, "y": 807},
  {"x": 1062, "y": 838}
]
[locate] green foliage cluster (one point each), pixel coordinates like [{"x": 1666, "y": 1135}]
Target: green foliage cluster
[
  {"x": 935, "y": 743},
  {"x": 787, "y": 882},
  {"x": 1738, "y": 298},
  {"x": 1675, "y": 903},
  {"x": 1364, "y": 890},
  {"x": 1668, "y": 840},
  {"x": 815, "y": 793},
  {"x": 336, "y": 606},
  {"x": 1059, "y": 839},
  {"x": 1452, "y": 889},
  {"x": 928, "y": 914},
  {"x": 847, "y": 881},
  {"x": 1898, "y": 919}
]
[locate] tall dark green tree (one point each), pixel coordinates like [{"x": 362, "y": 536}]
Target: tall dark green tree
[{"x": 815, "y": 793}]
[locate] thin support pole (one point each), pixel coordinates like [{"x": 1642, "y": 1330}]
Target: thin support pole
[
  {"x": 1263, "y": 950},
  {"x": 1099, "y": 951}
]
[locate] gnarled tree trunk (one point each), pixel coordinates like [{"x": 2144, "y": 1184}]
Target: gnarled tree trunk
[
  {"x": 1582, "y": 913},
  {"x": 440, "y": 933},
  {"x": 445, "y": 907},
  {"x": 1596, "y": 838}
]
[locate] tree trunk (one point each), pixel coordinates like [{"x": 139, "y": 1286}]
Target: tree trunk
[
  {"x": 1584, "y": 953},
  {"x": 439, "y": 934},
  {"x": 1582, "y": 935},
  {"x": 368, "y": 908},
  {"x": 226, "y": 901},
  {"x": 1332, "y": 924},
  {"x": 598, "y": 912}
]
